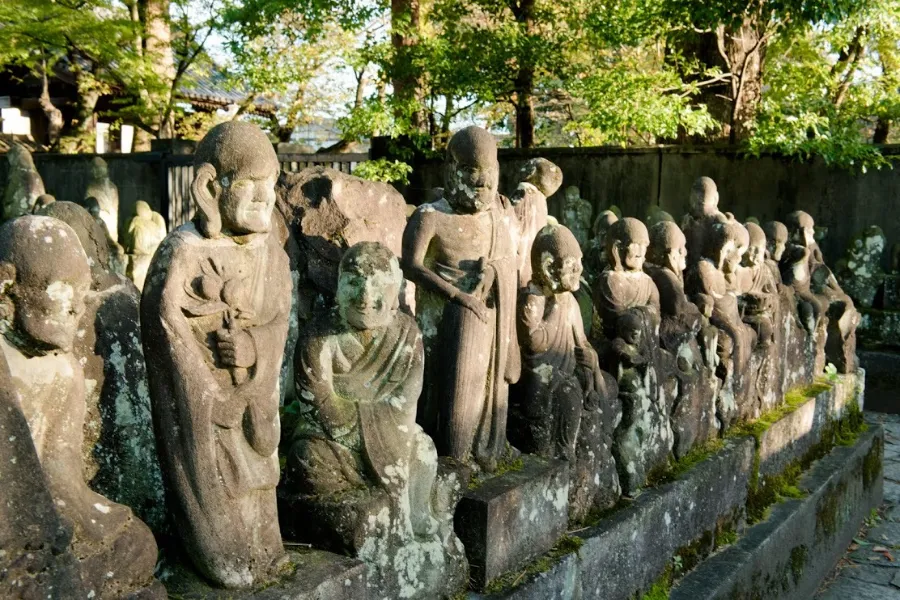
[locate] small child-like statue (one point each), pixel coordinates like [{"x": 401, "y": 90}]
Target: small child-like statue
[
  {"x": 563, "y": 389},
  {"x": 214, "y": 319},
  {"x": 577, "y": 214},
  {"x": 359, "y": 374},
  {"x": 45, "y": 276},
  {"x": 540, "y": 178}
]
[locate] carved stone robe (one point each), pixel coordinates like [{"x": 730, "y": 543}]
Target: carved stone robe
[
  {"x": 218, "y": 428},
  {"x": 531, "y": 210}
]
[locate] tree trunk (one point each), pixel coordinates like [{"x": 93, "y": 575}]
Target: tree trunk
[
  {"x": 406, "y": 76},
  {"x": 882, "y": 131},
  {"x": 54, "y": 115},
  {"x": 158, "y": 48},
  {"x": 523, "y": 10}
]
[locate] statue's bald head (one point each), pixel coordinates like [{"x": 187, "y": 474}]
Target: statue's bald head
[
  {"x": 237, "y": 146},
  {"x": 756, "y": 233},
  {"x": 556, "y": 259},
  {"x": 472, "y": 171},
  {"x": 369, "y": 280},
  {"x": 801, "y": 228},
  {"x": 775, "y": 231},
  {"x": 473, "y": 145},
  {"x": 667, "y": 246},
  {"x": 45, "y": 274},
  {"x": 704, "y": 197},
  {"x": 626, "y": 244},
  {"x": 756, "y": 251},
  {"x": 90, "y": 232},
  {"x": 542, "y": 174},
  {"x": 142, "y": 209},
  {"x": 603, "y": 222}
]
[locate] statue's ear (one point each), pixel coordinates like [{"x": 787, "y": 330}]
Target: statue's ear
[
  {"x": 7, "y": 280},
  {"x": 205, "y": 190},
  {"x": 616, "y": 255}
]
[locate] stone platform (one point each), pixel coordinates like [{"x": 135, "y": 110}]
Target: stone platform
[{"x": 727, "y": 500}]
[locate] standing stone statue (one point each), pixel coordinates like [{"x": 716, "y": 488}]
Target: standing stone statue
[
  {"x": 595, "y": 251},
  {"x": 23, "y": 183},
  {"x": 776, "y": 242},
  {"x": 214, "y": 318},
  {"x": 564, "y": 406},
  {"x": 703, "y": 212},
  {"x": 539, "y": 179},
  {"x": 628, "y": 303},
  {"x": 146, "y": 231},
  {"x": 461, "y": 254},
  {"x": 117, "y": 260},
  {"x": 577, "y": 214},
  {"x": 368, "y": 477},
  {"x": 860, "y": 272},
  {"x": 119, "y": 448},
  {"x": 832, "y": 302},
  {"x": 689, "y": 340},
  {"x": 46, "y": 276},
  {"x": 104, "y": 191},
  {"x": 711, "y": 284}
]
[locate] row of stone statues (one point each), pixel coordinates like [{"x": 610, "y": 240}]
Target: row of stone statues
[
  {"x": 399, "y": 396},
  {"x": 25, "y": 194}
]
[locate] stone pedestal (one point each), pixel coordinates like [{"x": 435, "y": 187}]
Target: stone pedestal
[
  {"x": 512, "y": 518},
  {"x": 316, "y": 574}
]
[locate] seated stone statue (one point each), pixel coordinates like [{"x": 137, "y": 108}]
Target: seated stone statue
[
  {"x": 214, "y": 319},
  {"x": 104, "y": 191},
  {"x": 359, "y": 375},
  {"x": 46, "y": 276},
  {"x": 758, "y": 292},
  {"x": 823, "y": 294},
  {"x": 146, "y": 231},
  {"x": 689, "y": 340},
  {"x": 539, "y": 179},
  {"x": 703, "y": 212},
  {"x": 564, "y": 406},
  {"x": 776, "y": 242},
  {"x": 23, "y": 183},
  {"x": 577, "y": 214},
  {"x": 595, "y": 250}
]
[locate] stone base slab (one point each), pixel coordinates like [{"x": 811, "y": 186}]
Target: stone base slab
[
  {"x": 317, "y": 575},
  {"x": 512, "y": 518},
  {"x": 788, "y": 555}
]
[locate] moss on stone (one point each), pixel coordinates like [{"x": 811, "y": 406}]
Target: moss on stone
[
  {"x": 568, "y": 544},
  {"x": 504, "y": 466},
  {"x": 872, "y": 463},
  {"x": 660, "y": 589},
  {"x": 798, "y": 562}
]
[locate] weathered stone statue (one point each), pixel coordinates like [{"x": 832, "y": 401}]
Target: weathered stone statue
[
  {"x": 711, "y": 284},
  {"x": 366, "y": 473},
  {"x": 37, "y": 560},
  {"x": 758, "y": 292},
  {"x": 688, "y": 338},
  {"x": 146, "y": 231},
  {"x": 23, "y": 183},
  {"x": 595, "y": 251},
  {"x": 46, "y": 275},
  {"x": 214, "y": 318},
  {"x": 539, "y": 179},
  {"x": 461, "y": 254},
  {"x": 860, "y": 272},
  {"x": 703, "y": 212},
  {"x": 564, "y": 406},
  {"x": 42, "y": 201},
  {"x": 628, "y": 303},
  {"x": 805, "y": 255},
  {"x": 118, "y": 263},
  {"x": 105, "y": 192},
  {"x": 577, "y": 214},
  {"x": 776, "y": 242},
  {"x": 119, "y": 448},
  {"x": 656, "y": 215}
]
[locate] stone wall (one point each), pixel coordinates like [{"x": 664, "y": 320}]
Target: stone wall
[{"x": 768, "y": 187}]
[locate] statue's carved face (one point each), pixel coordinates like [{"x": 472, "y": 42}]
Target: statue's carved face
[
  {"x": 755, "y": 254},
  {"x": 368, "y": 301},
  {"x": 247, "y": 201},
  {"x": 471, "y": 187},
  {"x": 562, "y": 274},
  {"x": 804, "y": 235},
  {"x": 677, "y": 256},
  {"x": 47, "y": 316},
  {"x": 633, "y": 256},
  {"x": 704, "y": 204},
  {"x": 775, "y": 248},
  {"x": 573, "y": 195}
]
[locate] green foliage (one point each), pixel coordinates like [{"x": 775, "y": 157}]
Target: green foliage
[{"x": 382, "y": 169}]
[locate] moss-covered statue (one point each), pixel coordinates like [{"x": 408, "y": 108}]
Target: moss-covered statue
[{"x": 362, "y": 476}]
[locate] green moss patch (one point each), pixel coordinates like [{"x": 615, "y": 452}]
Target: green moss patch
[{"x": 568, "y": 544}]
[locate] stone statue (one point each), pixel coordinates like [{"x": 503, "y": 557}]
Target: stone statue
[
  {"x": 832, "y": 301},
  {"x": 595, "y": 251},
  {"x": 564, "y": 406},
  {"x": 688, "y": 338},
  {"x": 214, "y": 319},
  {"x": 539, "y": 179},
  {"x": 356, "y": 449},
  {"x": 46, "y": 276},
  {"x": 758, "y": 298},
  {"x": 776, "y": 242},
  {"x": 703, "y": 212},
  {"x": 713, "y": 285},
  {"x": 117, "y": 261},
  {"x": 628, "y": 303},
  {"x": 860, "y": 272},
  {"x": 577, "y": 214},
  {"x": 37, "y": 559},
  {"x": 461, "y": 254},
  {"x": 104, "y": 191},
  {"x": 23, "y": 183},
  {"x": 119, "y": 448},
  {"x": 146, "y": 231},
  {"x": 656, "y": 215}
]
